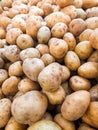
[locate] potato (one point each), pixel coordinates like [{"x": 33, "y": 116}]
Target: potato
[
  {"x": 94, "y": 93},
  {"x": 36, "y": 23},
  {"x": 42, "y": 48},
  {"x": 59, "y": 29},
  {"x": 1, "y": 94},
  {"x": 70, "y": 10},
  {"x": 72, "y": 109},
  {"x": 47, "y": 116},
  {"x": 12, "y": 35},
  {"x": 4, "y": 21},
  {"x": 83, "y": 49},
  {"x": 44, "y": 125},
  {"x": 2, "y": 33},
  {"x": 3, "y": 75},
  {"x": 77, "y": 26},
  {"x": 88, "y": 70},
  {"x": 94, "y": 21},
  {"x": 5, "y": 111},
  {"x": 29, "y": 53},
  {"x": 43, "y": 35},
  {"x": 81, "y": 13},
  {"x": 29, "y": 111},
  {"x": 50, "y": 77},
  {"x": 78, "y": 3},
  {"x": 65, "y": 73},
  {"x": 71, "y": 41},
  {"x": 92, "y": 12},
  {"x": 79, "y": 83},
  {"x": 15, "y": 69},
  {"x": 56, "y": 17},
  {"x": 32, "y": 67},
  {"x": 1, "y": 63},
  {"x": 56, "y": 97},
  {"x": 10, "y": 86},
  {"x": 72, "y": 60},
  {"x": 84, "y": 126},
  {"x": 47, "y": 59},
  {"x": 26, "y": 85},
  {"x": 63, "y": 123},
  {"x": 93, "y": 57},
  {"x": 58, "y": 47},
  {"x": 12, "y": 53},
  {"x": 14, "y": 125},
  {"x": 88, "y": 3},
  {"x": 90, "y": 117},
  {"x": 63, "y": 3}
]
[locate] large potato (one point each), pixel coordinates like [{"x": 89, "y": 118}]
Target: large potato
[
  {"x": 75, "y": 105},
  {"x": 29, "y": 107}
]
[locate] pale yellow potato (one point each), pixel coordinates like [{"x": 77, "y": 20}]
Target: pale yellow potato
[
  {"x": 47, "y": 116},
  {"x": 94, "y": 93},
  {"x": 63, "y": 123},
  {"x": 78, "y": 3},
  {"x": 29, "y": 53},
  {"x": 1, "y": 63},
  {"x": 72, "y": 60},
  {"x": 63, "y": 3},
  {"x": 79, "y": 83},
  {"x": 85, "y": 126},
  {"x": 5, "y": 111},
  {"x": 89, "y": 3},
  {"x": 75, "y": 105},
  {"x": 93, "y": 57},
  {"x": 88, "y": 70},
  {"x": 58, "y": 47},
  {"x": 15, "y": 69},
  {"x": 93, "y": 20},
  {"x": 70, "y": 39},
  {"x": 2, "y": 33},
  {"x": 81, "y": 13},
  {"x": 3, "y": 75},
  {"x": 26, "y": 85},
  {"x": 59, "y": 29},
  {"x": 42, "y": 48},
  {"x": 92, "y": 12},
  {"x": 29, "y": 111},
  {"x": 10, "y": 86}
]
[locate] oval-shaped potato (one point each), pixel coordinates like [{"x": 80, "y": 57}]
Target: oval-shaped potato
[
  {"x": 94, "y": 93},
  {"x": 33, "y": 108},
  {"x": 88, "y": 70},
  {"x": 75, "y": 105},
  {"x": 3, "y": 75}
]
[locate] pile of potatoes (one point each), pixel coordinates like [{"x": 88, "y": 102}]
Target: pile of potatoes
[{"x": 49, "y": 65}]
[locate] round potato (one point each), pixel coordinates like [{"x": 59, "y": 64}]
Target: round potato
[
  {"x": 72, "y": 109},
  {"x": 29, "y": 111},
  {"x": 42, "y": 48},
  {"x": 94, "y": 93},
  {"x": 3, "y": 75}
]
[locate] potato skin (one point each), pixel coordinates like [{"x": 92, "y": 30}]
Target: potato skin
[{"x": 71, "y": 108}]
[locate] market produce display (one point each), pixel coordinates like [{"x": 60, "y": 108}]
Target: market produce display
[{"x": 48, "y": 64}]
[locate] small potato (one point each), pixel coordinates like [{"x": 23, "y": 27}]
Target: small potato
[
  {"x": 84, "y": 126},
  {"x": 47, "y": 116},
  {"x": 75, "y": 105},
  {"x": 71, "y": 41},
  {"x": 78, "y": 3},
  {"x": 88, "y": 3},
  {"x": 72, "y": 60},
  {"x": 92, "y": 12},
  {"x": 2, "y": 33},
  {"x": 58, "y": 47},
  {"x": 83, "y": 49},
  {"x": 56, "y": 97},
  {"x": 12, "y": 35},
  {"x": 31, "y": 110},
  {"x": 79, "y": 83},
  {"x": 26, "y": 85},
  {"x": 1, "y": 94},
  {"x": 59, "y": 29},
  {"x": 43, "y": 35},
  {"x": 12, "y": 53},
  {"x": 47, "y": 59},
  {"x": 15, "y": 69},
  {"x": 63, "y": 3},
  {"x": 50, "y": 77},
  {"x": 56, "y": 17},
  {"x": 65, "y": 73},
  {"x": 10, "y": 86},
  {"x": 29, "y": 53},
  {"x": 3, "y": 75},
  {"x": 42, "y": 48},
  {"x": 77, "y": 26},
  {"x": 44, "y": 125},
  {"x": 1, "y": 63},
  {"x": 88, "y": 70},
  {"x": 5, "y": 111},
  {"x": 14, "y": 125},
  {"x": 32, "y": 67},
  {"x": 81, "y": 13},
  {"x": 93, "y": 57},
  {"x": 24, "y": 41},
  {"x": 94, "y": 93},
  {"x": 63, "y": 123},
  {"x": 4, "y": 21}
]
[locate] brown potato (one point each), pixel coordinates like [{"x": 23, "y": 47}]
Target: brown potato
[
  {"x": 10, "y": 86},
  {"x": 3, "y": 75},
  {"x": 65, "y": 73},
  {"x": 32, "y": 111},
  {"x": 71, "y": 41},
  {"x": 94, "y": 21},
  {"x": 84, "y": 126},
  {"x": 42, "y": 48},
  {"x": 72, "y": 60},
  {"x": 88, "y": 70},
  {"x": 63, "y": 123},
  {"x": 93, "y": 57},
  {"x": 63, "y": 3},
  {"x": 58, "y": 47},
  {"x": 72, "y": 109},
  {"x": 94, "y": 93},
  {"x": 2, "y": 33},
  {"x": 79, "y": 83},
  {"x": 88, "y": 3},
  {"x": 92, "y": 12}
]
